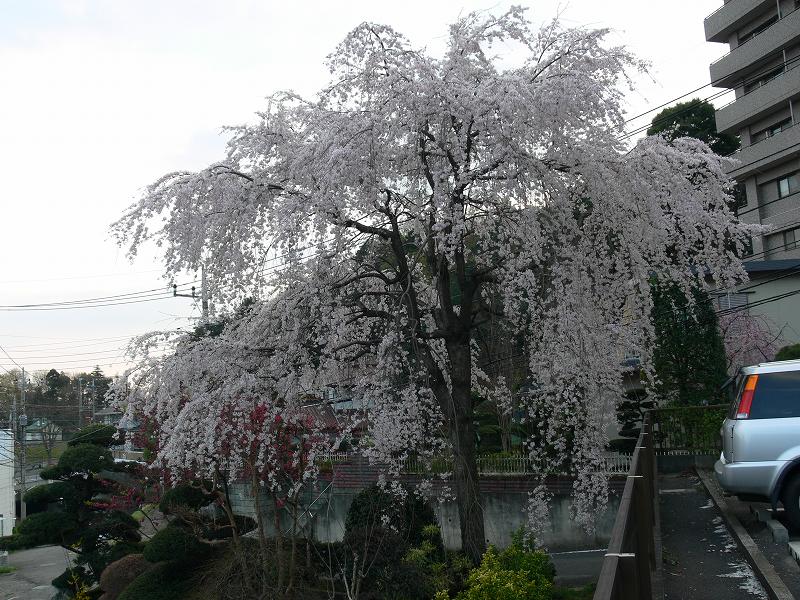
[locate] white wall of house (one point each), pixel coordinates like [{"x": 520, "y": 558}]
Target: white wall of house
[
  {"x": 35, "y": 437},
  {"x": 784, "y": 313},
  {"x": 7, "y": 511}
]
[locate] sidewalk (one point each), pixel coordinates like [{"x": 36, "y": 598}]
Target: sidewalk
[{"x": 701, "y": 558}]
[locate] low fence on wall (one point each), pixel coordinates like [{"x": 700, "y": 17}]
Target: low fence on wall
[
  {"x": 686, "y": 430},
  {"x": 612, "y": 464}
]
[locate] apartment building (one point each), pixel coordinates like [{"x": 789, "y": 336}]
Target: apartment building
[{"x": 762, "y": 67}]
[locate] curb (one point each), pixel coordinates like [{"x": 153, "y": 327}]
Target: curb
[{"x": 774, "y": 586}]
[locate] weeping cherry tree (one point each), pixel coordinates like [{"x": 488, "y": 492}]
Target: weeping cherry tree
[{"x": 414, "y": 199}]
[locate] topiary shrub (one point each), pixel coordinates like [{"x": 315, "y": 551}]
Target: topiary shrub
[
  {"x": 120, "y": 574},
  {"x": 173, "y": 543},
  {"x": 80, "y": 459},
  {"x": 39, "y": 497},
  {"x": 184, "y": 495},
  {"x": 97, "y": 434},
  {"x": 160, "y": 582},
  {"x": 39, "y": 529}
]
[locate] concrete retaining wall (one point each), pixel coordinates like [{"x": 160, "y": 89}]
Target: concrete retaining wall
[{"x": 504, "y": 501}]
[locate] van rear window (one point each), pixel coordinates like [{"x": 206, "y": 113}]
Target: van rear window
[{"x": 777, "y": 395}]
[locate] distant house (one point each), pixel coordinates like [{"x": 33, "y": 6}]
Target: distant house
[
  {"x": 108, "y": 416},
  {"x": 43, "y": 430}
]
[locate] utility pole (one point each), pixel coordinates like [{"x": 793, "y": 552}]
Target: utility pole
[
  {"x": 80, "y": 404},
  {"x": 94, "y": 398},
  {"x": 23, "y": 422},
  {"x": 204, "y": 294}
]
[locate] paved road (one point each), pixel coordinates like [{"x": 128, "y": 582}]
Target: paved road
[{"x": 35, "y": 569}]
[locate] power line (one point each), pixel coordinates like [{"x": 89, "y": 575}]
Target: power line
[
  {"x": 79, "y": 307},
  {"x": 65, "y": 340},
  {"x": 126, "y": 296},
  {"x": 85, "y": 355},
  {"x": 55, "y": 346},
  {"x": 763, "y": 204},
  {"x": 752, "y": 79},
  {"x": 9, "y": 357},
  {"x": 710, "y": 83},
  {"x": 668, "y": 102},
  {"x": 669, "y": 117}
]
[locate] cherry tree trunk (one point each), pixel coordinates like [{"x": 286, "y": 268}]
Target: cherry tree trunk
[{"x": 465, "y": 468}]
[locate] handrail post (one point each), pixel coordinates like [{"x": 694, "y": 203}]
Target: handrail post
[{"x": 630, "y": 585}]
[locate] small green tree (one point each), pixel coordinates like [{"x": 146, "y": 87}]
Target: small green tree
[
  {"x": 516, "y": 573},
  {"x": 82, "y": 514},
  {"x": 630, "y": 414},
  {"x": 694, "y": 118},
  {"x": 689, "y": 357},
  {"x": 379, "y": 529},
  {"x": 790, "y": 352}
]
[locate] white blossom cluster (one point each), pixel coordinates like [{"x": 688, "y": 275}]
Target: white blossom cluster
[{"x": 374, "y": 223}]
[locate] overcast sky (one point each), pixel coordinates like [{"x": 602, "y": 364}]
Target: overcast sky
[{"x": 98, "y": 98}]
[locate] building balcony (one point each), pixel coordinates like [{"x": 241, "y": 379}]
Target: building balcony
[
  {"x": 727, "y": 71},
  {"x": 767, "y": 153},
  {"x": 731, "y": 16},
  {"x": 781, "y": 212},
  {"x": 760, "y": 102}
]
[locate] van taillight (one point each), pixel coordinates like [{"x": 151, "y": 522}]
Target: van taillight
[{"x": 746, "y": 401}]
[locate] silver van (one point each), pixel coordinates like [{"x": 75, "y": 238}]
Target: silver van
[{"x": 760, "y": 458}]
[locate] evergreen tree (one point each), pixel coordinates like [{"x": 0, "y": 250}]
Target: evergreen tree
[
  {"x": 689, "y": 357},
  {"x": 80, "y": 509},
  {"x": 696, "y": 119}
]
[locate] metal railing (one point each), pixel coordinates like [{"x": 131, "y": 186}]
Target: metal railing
[
  {"x": 612, "y": 464},
  {"x": 780, "y": 18},
  {"x": 688, "y": 429},
  {"x": 725, "y": 5},
  {"x": 765, "y": 139},
  {"x": 795, "y": 62},
  {"x": 631, "y": 559}
]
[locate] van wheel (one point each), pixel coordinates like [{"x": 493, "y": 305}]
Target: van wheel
[{"x": 790, "y": 496}]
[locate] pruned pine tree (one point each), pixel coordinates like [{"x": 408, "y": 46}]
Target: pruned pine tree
[{"x": 375, "y": 219}]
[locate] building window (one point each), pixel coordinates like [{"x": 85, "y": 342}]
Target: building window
[
  {"x": 740, "y": 195},
  {"x": 771, "y": 131},
  {"x": 788, "y": 185},
  {"x": 732, "y": 300},
  {"x": 764, "y": 79},
  {"x": 765, "y": 25},
  {"x": 789, "y": 239}
]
